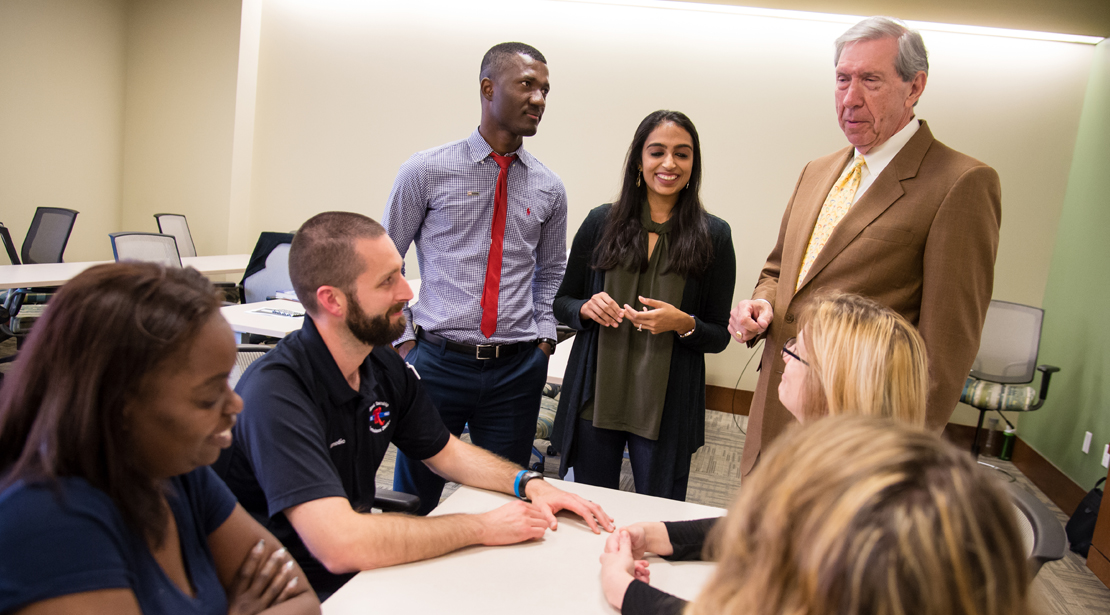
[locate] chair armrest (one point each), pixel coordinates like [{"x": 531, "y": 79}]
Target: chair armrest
[
  {"x": 1046, "y": 376},
  {"x": 1049, "y": 540},
  {"x": 395, "y": 501},
  {"x": 563, "y": 333}
]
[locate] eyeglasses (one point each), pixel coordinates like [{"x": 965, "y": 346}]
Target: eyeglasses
[{"x": 788, "y": 351}]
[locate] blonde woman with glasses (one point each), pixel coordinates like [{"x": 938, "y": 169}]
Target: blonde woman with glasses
[{"x": 852, "y": 356}]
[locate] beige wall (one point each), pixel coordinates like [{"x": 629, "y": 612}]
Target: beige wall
[
  {"x": 182, "y": 63},
  {"x": 118, "y": 109},
  {"x": 61, "y": 116},
  {"x": 347, "y": 92}
]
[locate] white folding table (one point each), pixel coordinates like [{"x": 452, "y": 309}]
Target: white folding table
[{"x": 57, "y": 274}]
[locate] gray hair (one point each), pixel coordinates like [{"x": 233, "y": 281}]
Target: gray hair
[{"x": 912, "y": 56}]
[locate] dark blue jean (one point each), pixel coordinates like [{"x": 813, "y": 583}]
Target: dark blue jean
[{"x": 498, "y": 398}]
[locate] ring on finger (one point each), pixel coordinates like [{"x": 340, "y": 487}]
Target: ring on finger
[{"x": 640, "y": 328}]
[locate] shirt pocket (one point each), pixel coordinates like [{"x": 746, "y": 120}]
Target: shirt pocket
[{"x": 527, "y": 218}]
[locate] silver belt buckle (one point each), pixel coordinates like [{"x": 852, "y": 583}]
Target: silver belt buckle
[{"x": 478, "y": 352}]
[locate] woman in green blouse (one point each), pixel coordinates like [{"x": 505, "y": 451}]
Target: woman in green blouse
[{"x": 648, "y": 285}]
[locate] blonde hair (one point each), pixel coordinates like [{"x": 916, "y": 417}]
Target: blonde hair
[
  {"x": 854, "y": 515},
  {"x": 864, "y": 359}
]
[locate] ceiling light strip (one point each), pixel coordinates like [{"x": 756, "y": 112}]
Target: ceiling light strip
[{"x": 730, "y": 9}]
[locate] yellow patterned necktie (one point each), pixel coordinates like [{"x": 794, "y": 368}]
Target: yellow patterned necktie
[{"x": 836, "y": 205}]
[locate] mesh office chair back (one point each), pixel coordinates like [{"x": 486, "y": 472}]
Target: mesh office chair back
[
  {"x": 176, "y": 225},
  {"x": 1011, "y": 340},
  {"x": 49, "y": 233},
  {"x": 147, "y": 247},
  {"x": 245, "y": 355}
]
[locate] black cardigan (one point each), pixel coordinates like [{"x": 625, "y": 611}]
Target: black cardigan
[{"x": 708, "y": 299}]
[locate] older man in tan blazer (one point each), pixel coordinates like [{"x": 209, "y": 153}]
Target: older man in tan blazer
[{"x": 913, "y": 225}]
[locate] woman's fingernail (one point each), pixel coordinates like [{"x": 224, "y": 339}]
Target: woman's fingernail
[
  {"x": 258, "y": 547},
  {"x": 292, "y": 583},
  {"x": 288, "y": 566},
  {"x": 280, "y": 553}
]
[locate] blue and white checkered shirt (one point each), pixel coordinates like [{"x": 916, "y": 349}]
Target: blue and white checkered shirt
[{"x": 443, "y": 200}]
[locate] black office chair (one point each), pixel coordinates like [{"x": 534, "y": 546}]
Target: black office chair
[
  {"x": 146, "y": 247},
  {"x": 178, "y": 226},
  {"x": 45, "y": 242},
  {"x": 49, "y": 233},
  {"x": 385, "y": 500},
  {"x": 267, "y": 271},
  {"x": 9, "y": 245},
  {"x": 1006, "y": 363},
  {"x": 1041, "y": 532}
]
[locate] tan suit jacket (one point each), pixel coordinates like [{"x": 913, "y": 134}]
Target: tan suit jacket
[{"x": 921, "y": 240}]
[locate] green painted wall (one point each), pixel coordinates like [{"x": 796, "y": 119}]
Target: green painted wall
[{"x": 1076, "y": 332}]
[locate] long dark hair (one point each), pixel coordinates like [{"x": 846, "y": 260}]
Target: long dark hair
[
  {"x": 623, "y": 243},
  {"x": 62, "y": 406}
]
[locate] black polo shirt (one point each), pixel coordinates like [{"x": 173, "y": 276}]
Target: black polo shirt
[{"x": 305, "y": 434}]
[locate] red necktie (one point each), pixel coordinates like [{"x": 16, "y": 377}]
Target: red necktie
[{"x": 492, "y": 287}]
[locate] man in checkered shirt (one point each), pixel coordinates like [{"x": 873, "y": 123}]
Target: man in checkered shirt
[{"x": 483, "y": 360}]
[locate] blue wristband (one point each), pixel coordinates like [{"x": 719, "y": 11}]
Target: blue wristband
[{"x": 516, "y": 483}]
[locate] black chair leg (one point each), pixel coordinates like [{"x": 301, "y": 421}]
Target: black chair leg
[{"x": 975, "y": 440}]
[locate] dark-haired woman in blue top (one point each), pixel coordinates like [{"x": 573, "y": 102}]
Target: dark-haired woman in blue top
[{"x": 108, "y": 421}]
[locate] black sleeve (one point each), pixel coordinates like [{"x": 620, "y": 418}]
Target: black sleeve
[
  {"x": 688, "y": 538},
  {"x": 284, "y": 441},
  {"x": 643, "y": 599},
  {"x": 574, "y": 290},
  {"x": 711, "y": 322}
]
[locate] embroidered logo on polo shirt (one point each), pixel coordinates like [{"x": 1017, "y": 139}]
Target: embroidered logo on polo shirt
[
  {"x": 337, "y": 443},
  {"x": 379, "y": 416}
]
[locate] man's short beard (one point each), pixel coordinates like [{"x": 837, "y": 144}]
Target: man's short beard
[{"x": 378, "y": 330}]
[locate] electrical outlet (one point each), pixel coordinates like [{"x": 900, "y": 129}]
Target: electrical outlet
[
  {"x": 1106, "y": 456},
  {"x": 1087, "y": 442}
]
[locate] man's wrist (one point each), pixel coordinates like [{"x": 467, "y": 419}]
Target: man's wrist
[{"x": 527, "y": 484}]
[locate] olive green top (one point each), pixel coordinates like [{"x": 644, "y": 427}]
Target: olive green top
[{"x": 633, "y": 366}]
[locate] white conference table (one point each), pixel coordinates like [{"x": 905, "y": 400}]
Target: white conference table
[
  {"x": 273, "y": 318},
  {"x": 558, "y": 574},
  {"x": 57, "y": 274}
]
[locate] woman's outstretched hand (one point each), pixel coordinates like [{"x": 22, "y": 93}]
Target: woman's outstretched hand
[{"x": 661, "y": 318}]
